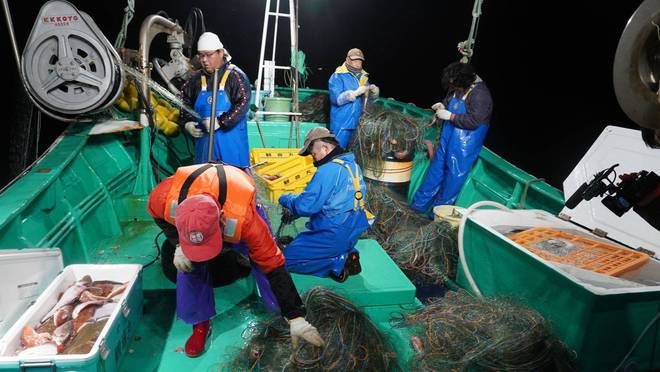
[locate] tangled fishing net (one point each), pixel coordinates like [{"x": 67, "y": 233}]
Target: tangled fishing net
[
  {"x": 315, "y": 108},
  {"x": 461, "y": 332},
  {"x": 283, "y": 233},
  {"x": 425, "y": 250},
  {"x": 352, "y": 342},
  {"x": 386, "y": 134},
  {"x": 262, "y": 197}
]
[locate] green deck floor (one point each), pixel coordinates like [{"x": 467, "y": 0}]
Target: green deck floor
[
  {"x": 381, "y": 290},
  {"x": 75, "y": 196}
]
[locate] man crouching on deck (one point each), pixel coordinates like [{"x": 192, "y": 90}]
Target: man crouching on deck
[
  {"x": 199, "y": 208},
  {"x": 334, "y": 202}
]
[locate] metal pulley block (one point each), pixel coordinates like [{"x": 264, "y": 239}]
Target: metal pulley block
[
  {"x": 68, "y": 64},
  {"x": 177, "y": 67},
  {"x": 637, "y": 66}
]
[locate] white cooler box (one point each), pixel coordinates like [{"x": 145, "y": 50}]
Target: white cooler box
[{"x": 31, "y": 281}]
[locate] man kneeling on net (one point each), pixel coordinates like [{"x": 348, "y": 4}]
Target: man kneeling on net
[
  {"x": 198, "y": 208},
  {"x": 334, "y": 202}
]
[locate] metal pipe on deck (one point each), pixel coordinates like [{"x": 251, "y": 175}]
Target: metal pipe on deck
[{"x": 151, "y": 26}]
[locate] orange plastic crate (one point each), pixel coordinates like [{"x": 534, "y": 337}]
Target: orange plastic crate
[{"x": 579, "y": 251}]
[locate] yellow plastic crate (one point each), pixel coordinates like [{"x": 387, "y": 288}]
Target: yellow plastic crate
[
  {"x": 295, "y": 188},
  {"x": 271, "y": 155},
  {"x": 297, "y": 168},
  {"x": 294, "y": 174}
]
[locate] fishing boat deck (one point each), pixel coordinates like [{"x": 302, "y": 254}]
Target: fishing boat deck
[
  {"x": 81, "y": 197},
  {"x": 381, "y": 290}
]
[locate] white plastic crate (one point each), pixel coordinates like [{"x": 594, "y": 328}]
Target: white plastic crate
[{"x": 111, "y": 343}]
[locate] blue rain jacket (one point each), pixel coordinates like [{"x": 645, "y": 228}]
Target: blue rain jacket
[
  {"x": 457, "y": 151},
  {"x": 344, "y": 114},
  {"x": 336, "y": 219}
]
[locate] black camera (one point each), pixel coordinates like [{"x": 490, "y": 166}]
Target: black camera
[
  {"x": 597, "y": 187},
  {"x": 631, "y": 191},
  {"x": 636, "y": 190}
]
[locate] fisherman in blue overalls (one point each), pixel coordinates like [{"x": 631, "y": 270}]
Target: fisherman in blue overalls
[
  {"x": 230, "y": 146},
  {"x": 334, "y": 202},
  {"x": 230, "y": 143},
  {"x": 466, "y": 111},
  {"x": 346, "y": 85}
]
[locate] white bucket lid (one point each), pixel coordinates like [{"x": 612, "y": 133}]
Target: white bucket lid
[{"x": 449, "y": 213}]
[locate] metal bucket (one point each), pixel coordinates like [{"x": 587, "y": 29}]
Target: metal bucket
[
  {"x": 395, "y": 175},
  {"x": 277, "y": 104}
]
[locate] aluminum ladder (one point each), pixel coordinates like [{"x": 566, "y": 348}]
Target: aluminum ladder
[{"x": 268, "y": 68}]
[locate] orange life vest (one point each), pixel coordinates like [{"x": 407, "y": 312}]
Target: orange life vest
[{"x": 232, "y": 187}]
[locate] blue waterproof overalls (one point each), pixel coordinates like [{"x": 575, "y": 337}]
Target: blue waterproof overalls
[
  {"x": 230, "y": 146},
  {"x": 457, "y": 151},
  {"x": 344, "y": 114},
  {"x": 334, "y": 226}
]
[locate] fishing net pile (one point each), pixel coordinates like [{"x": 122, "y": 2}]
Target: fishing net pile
[
  {"x": 386, "y": 134},
  {"x": 262, "y": 197},
  {"x": 283, "y": 233},
  {"x": 461, "y": 332},
  {"x": 425, "y": 250},
  {"x": 352, "y": 342},
  {"x": 315, "y": 108}
]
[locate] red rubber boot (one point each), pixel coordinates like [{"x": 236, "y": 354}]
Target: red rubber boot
[{"x": 197, "y": 341}]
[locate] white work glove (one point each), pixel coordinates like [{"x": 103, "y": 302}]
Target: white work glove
[
  {"x": 349, "y": 95},
  {"x": 443, "y": 114},
  {"x": 181, "y": 262},
  {"x": 374, "y": 91},
  {"x": 361, "y": 90},
  {"x": 206, "y": 123},
  {"x": 438, "y": 106},
  {"x": 301, "y": 328},
  {"x": 192, "y": 129}
]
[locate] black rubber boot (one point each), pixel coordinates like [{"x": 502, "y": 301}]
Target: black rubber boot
[
  {"x": 351, "y": 267},
  {"x": 352, "y": 264}
]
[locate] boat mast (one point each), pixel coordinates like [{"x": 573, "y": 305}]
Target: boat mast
[{"x": 294, "y": 36}]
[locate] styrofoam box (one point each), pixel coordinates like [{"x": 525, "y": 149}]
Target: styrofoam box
[{"x": 113, "y": 340}]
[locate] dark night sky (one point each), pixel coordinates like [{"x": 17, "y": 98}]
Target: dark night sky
[{"x": 548, "y": 64}]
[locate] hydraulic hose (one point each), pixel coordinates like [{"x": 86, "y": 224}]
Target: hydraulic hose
[{"x": 461, "y": 231}]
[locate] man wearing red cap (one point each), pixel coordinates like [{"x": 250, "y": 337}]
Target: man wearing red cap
[{"x": 201, "y": 207}]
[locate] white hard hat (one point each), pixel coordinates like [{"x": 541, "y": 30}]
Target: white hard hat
[{"x": 209, "y": 41}]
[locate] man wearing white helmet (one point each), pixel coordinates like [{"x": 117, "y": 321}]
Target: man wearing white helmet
[{"x": 230, "y": 143}]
